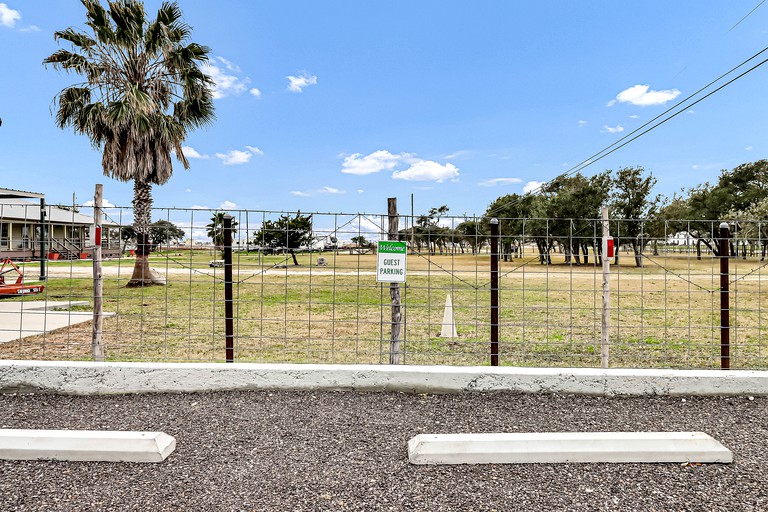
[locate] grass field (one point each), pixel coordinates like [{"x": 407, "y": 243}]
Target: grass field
[{"x": 663, "y": 315}]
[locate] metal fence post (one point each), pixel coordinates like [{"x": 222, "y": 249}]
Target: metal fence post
[
  {"x": 494, "y": 292},
  {"x": 228, "y": 306},
  {"x": 725, "y": 312},
  {"x": 43, "y": 238}
]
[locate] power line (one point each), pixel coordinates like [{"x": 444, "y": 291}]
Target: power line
[
  {"x": 746, "y": 16},
  {"x": 631, "y": 136}
]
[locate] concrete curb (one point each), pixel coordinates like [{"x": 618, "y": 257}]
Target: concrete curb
[
  {"x": 85, "y": 445},
  {"x": 87, "y": 378},
  {"x": 562, "y": 447}
]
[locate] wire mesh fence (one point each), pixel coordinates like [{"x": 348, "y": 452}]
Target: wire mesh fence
[{"x": 304, "y": 290}]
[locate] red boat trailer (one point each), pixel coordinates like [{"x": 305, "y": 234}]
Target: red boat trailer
[{"x": 17, "y": 288}]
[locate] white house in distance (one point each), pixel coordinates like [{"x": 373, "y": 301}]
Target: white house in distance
[{"x": 66, "y": 232}]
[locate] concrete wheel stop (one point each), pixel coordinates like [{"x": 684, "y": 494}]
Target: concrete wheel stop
[
  {"x": 558, "y": 447},
  {"x": 85, "y": 445}
]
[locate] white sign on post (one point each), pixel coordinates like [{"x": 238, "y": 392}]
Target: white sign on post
[{"x": 390, "y": 262}]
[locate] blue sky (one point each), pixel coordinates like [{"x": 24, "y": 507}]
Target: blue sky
[{"x": 335, "y": 106}]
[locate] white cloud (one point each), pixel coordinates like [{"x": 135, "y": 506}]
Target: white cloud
[
  {"x": 191, "y": 152},
  {"x": 198, "y": 207},
  {"x": 499, "y": 181},
  {"x": 634, "y": 116},
  {"x": 532, "y": 186},
  {"x": 377, "y": 161},
  {"x": 458, "y": 154},
  {"x": 427, "y": 170},
  {"x": 105, "y": 203},
  {"x": 748, "y": 148},
  {"x": 31, "y": 28},
  {"x": 229, "y": 65},
  {"x": 360, "y": 191},
  {"x": 227, "y": 205},
  {"x": 188, "y": 190},
  {"x": 299, "y": 83},
  {"x": 256, "y": 93},
  {"x": 8, "y": 17},
  {"x": 383, "y": 160},
  {"x": 695, "y": 167},
  {"x": 613, "y": 129},
  {"x": 582, "y": 123},
  {"x": 239, "y": 157},
  {"x": 642, "y": 97},
  {"x": 225, "y": 84},
  {"x": 318, "y": 192},
  {"x": 367, "y": 225}
]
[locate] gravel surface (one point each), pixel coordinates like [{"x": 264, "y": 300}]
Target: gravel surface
[{"x": 347, "y": 451}]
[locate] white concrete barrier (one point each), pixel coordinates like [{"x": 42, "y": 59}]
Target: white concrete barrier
[
  {"x": 85, "y": 445},
  {"x": 559, "y": 447},
  {"x": 86, "y": 378}
]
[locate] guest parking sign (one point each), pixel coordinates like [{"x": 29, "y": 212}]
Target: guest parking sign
[{"x": 390, "y": 262}]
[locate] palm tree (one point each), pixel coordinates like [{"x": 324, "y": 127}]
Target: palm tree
[
  {"x": 143, "y": 91},
  {"x": 216, "y": 229}
]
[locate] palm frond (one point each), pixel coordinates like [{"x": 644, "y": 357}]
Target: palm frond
[
  {"x": 129, "y": 19},
  {"x": 78, "y": 39},
  {"x": 71, "y": 101},
  {"x": 98, "y": 20}
]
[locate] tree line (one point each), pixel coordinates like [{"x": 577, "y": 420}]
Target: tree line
[{"x": 563, "y": 216}]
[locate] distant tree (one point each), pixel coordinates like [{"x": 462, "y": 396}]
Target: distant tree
[
  {"x": 142, "y": 91},
  {"x": 516, "y": 214},
  {"x": 573, "y": 204},
  {"x": 735, "y": 191},
  {"x": 160, "y": 232},
  {"x": 633, "y": 204},
  {"x": 360, "y": 241},
  {"x": 164, "y": 232},
  {"x": 215, "y": 230},
  {"x": 287, "y": 233},
  {"x": 470, "y": 233},
  {"x": 429, "y": 232}
]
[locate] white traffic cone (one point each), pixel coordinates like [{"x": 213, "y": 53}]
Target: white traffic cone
[{"x": 449, "y": 326}]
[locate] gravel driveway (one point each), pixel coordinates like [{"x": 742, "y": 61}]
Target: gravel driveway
[{"x": 347, "y": 451}]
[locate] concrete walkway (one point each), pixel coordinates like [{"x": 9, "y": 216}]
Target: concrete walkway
[{"x": 32, "y": 318}]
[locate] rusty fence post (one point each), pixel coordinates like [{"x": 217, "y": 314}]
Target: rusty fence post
[
  {"x": 228, "y": 305},
  {"x": 494, "y": 223},
  {"x": 725, "y": 311}
]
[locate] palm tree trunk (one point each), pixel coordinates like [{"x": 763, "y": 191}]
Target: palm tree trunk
[{"x": 143, "y": 275}]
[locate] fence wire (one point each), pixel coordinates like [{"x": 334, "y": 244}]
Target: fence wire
[{"x": 305, "y": 290}]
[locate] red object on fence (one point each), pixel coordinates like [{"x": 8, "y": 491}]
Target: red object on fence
[
  {"x": 97, "y": 242},
  {"x": 18, "y": 288},
  {"x": 610, "y": 247}
]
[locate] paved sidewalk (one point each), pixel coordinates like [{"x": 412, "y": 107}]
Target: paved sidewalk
[{"x": 32, "y": 318}]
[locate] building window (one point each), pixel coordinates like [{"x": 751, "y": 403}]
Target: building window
[{"x": 5, "y": 228}]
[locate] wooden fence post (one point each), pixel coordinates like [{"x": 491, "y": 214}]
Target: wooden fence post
[
  {"x": 97, "y": 346},
  {"x": 605, "y": 324},
  {"x": 394, "y": 288}
]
